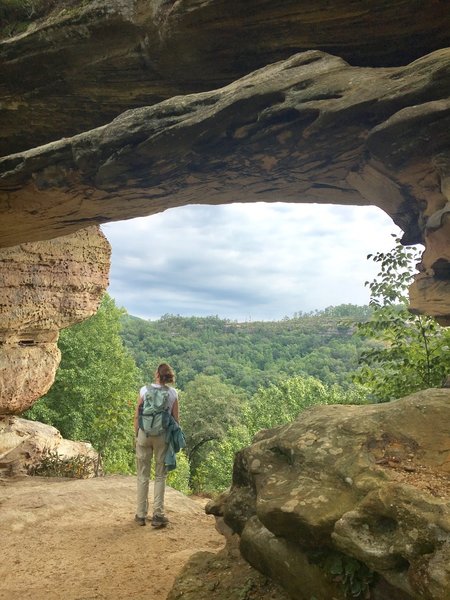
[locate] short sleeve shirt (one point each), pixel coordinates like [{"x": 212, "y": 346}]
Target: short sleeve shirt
[{"x": 173, "y": 394}]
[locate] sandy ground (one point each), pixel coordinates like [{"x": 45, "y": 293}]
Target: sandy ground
[{"x": 77, "y": 540}]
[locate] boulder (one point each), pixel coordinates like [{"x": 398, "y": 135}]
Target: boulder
[
  {"x": 349, "y": 489},
  {"x": 26, "y": 445}
]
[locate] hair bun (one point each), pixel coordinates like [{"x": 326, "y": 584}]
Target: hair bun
[{"x": 165, "y": 373}]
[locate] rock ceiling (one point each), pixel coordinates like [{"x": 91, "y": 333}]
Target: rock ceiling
[{"x": 84, "y": 66}]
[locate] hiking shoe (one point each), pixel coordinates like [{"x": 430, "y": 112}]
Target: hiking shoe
[
  {"x": 159, "y": 521},
  {"x": 139, "y": 520}
]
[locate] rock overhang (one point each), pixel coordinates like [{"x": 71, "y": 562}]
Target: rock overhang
[{"x": 82, "y": 65}]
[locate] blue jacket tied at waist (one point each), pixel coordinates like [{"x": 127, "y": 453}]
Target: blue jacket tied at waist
[{"x": 175, "y": 442}]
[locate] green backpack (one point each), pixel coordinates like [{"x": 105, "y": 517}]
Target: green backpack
[{"x": 154, "y": 411}]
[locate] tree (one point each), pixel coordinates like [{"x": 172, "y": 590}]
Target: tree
[
  {"x": 274, "y": 405},
  {"x": 281, "y": 403},
  {"x": 95, "y": 389},
  {"x": 208, "y": 409},
  {"x": 250, "y": 355},
  {"x": 409, "y": 352}
]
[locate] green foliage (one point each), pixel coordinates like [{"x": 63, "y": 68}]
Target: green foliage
[
  {"x": 180, "y": 477},
  {"x": 250, "y": 355},
  {"x": 209, "y": 409},
  {"x": 214, "y": 473},
  {"x": 409, "y": 352},
  {"x": 281, "y": 403},
  {"x": 94, "y": 393},
  {"x": 220, "y": 364},
  {"x": 54, "y": 465},
  {"x": 355, "y": 577}
]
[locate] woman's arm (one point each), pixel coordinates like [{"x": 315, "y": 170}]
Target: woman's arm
[{"x": 175, "y": 411}]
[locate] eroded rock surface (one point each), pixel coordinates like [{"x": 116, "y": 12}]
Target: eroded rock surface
[
  {"x": 370, "y": 483},
  {"x": 87, "y": 62},
  {"x": 44, "y": 287}
]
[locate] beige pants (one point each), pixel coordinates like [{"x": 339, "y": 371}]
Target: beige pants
[{"x": 146, "y": 449}]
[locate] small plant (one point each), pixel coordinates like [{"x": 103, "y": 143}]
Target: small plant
[
  {"x": 355, "y": 577},
  {"x": 54, "y": 465}
]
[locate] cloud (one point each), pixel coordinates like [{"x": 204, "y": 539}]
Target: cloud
[{"x": 245, "y": 261}]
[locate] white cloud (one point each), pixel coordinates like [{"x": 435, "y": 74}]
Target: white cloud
[{"x": 240, "y": 261}]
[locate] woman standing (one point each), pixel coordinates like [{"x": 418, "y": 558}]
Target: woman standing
[{"x": 155, "y": 446}]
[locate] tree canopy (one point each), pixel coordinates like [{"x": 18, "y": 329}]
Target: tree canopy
[
  {"x": 408, "y": 352},
  {"x": 95, "y": 389},
  {"x": 252, "y": 354}
]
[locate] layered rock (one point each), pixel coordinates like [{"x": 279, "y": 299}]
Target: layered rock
[
  {"x": 45, "y": 286},
  {"x": 308, "y": 129},
  {"x": 87, "y": 62},
  {"x": 368, "y": 484}
]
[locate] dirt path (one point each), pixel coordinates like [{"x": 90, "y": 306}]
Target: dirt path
[{"x": 76, "y": 539}]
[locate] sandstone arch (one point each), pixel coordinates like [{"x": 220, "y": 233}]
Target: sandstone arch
[{"x": 309, "y": 128}]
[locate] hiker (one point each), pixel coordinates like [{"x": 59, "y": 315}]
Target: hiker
[{"x": 157, "y": 406}]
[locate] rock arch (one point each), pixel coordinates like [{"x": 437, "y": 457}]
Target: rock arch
[{"x": 311, "y": 127}]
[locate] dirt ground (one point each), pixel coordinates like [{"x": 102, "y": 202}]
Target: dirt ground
[{"x": 77, "y": 540}]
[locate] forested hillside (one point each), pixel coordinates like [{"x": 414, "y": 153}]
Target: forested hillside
[{"x": 249, "y": 355}]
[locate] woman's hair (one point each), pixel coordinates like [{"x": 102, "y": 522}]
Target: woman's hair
[{"x": 165, "y": 373}]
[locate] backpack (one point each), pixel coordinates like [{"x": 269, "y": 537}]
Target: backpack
[{"x": 154, "y": 411}]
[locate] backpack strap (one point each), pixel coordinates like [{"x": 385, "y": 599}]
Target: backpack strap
[{"x": 141, "y": 408}]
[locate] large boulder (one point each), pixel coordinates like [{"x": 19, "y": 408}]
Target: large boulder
[
  {"x": 349, "y": 489},
  {"x": 29, "y": 447}
]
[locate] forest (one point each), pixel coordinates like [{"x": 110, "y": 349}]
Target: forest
[
  {"x": 235, "y": 379},
  {"x": 251, "y": 354}
]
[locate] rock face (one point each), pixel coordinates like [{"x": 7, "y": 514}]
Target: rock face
[
  {"x": 370, "y": 483},
  {"x": 44, "y": 287},
  {"x": 90, "y": 61},
  {"x": 308, "y": 129},
  {"x": 361, "y": 128}
]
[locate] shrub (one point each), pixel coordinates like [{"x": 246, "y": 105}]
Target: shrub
[{"x": 54, "y": 465}]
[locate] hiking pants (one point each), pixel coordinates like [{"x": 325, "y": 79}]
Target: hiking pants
[{"x": 147, "y": 448}]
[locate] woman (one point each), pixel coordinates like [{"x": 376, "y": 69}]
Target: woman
[{"x": 156, "y": 446}]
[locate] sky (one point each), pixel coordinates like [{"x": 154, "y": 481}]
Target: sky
[{"x": 246, "y": 262}]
